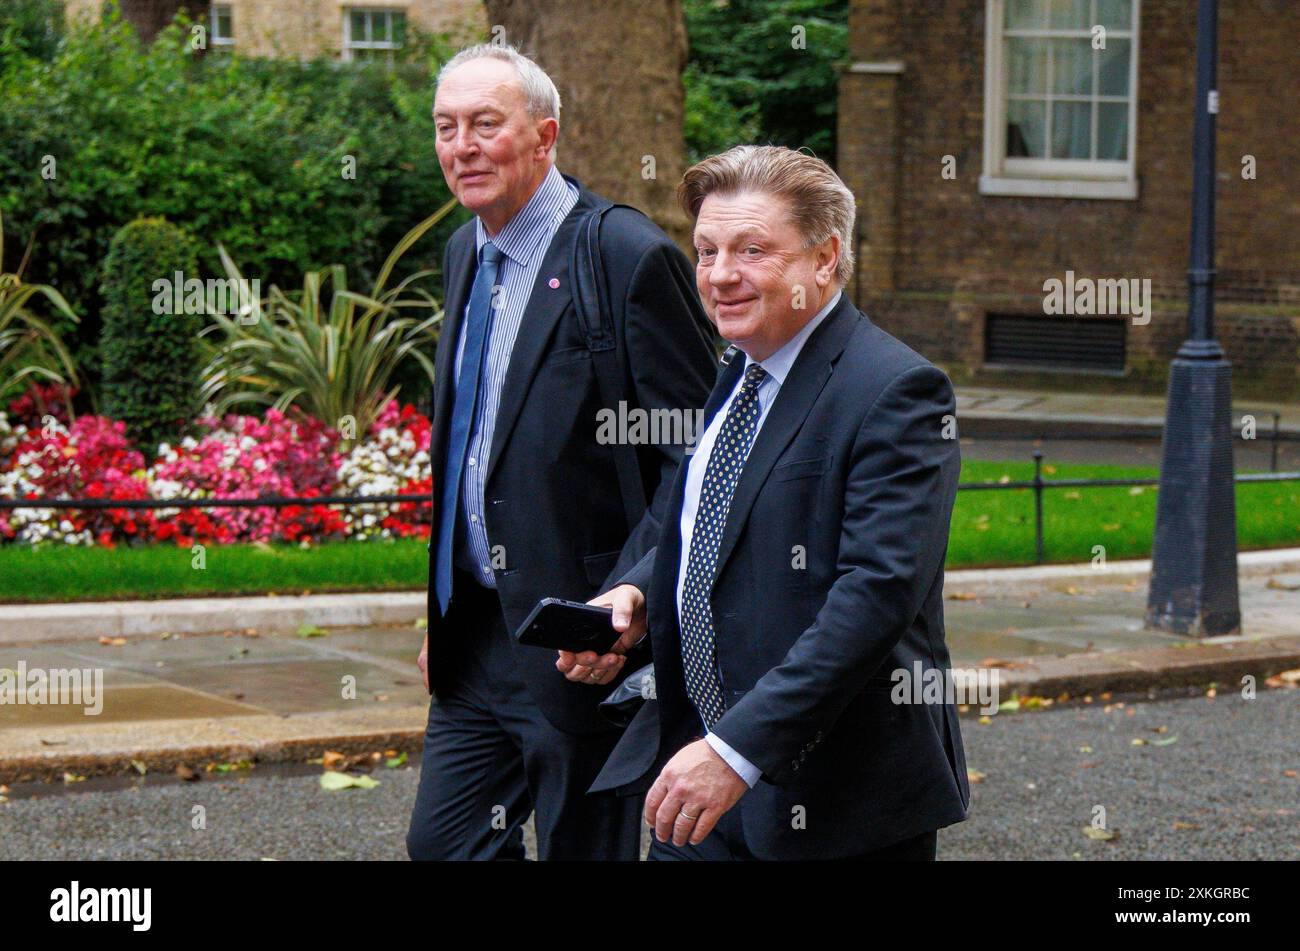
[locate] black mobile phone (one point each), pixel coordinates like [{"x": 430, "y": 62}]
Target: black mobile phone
[{"x": 568, "y": 626}]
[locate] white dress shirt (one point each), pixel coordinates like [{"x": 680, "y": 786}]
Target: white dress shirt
[{"x": 778, "y": 367}]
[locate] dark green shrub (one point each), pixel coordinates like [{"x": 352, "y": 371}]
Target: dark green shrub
[
  {"x": 149, "y": 359},
  {"x": 243, "y": 152},
  {"x": 747, "y": 82}
]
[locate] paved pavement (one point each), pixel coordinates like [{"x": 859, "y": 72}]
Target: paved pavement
[
  {"x": 991, "y": 408},
  {"x": 985, "y": 413},
  {"x": 1215, "y": 779},
  {"x": 275, "y": 696}
]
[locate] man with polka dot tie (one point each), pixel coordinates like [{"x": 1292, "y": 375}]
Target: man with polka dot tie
[{"x": 800, "y": 562}]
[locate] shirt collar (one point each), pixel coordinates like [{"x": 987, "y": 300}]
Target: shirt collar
[
  {"x": 525, "y": 231},
  {"x": 778, "y": 364}
]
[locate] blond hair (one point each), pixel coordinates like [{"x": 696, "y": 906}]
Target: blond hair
[{"x": 820, "y": 204}]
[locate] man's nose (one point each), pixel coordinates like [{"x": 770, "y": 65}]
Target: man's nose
[
  {"x": 724, "y": 270},
  {"x": 465, "y": 144}
]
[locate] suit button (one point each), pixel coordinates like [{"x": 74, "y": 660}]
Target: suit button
[{"x": 795, "y": 766}]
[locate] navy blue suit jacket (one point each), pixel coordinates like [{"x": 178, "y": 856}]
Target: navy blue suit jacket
[{"x": 830, "y": 576}]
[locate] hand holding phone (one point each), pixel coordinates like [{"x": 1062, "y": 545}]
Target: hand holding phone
[{"x": 557, "y": 624}]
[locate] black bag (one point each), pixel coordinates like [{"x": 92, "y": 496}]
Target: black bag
[
  {"x": 625, "y": 700},
  {"x": 591, "y": 303}
]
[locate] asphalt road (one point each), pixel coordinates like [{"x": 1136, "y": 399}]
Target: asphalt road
[{"x": 1217, "y": 791}]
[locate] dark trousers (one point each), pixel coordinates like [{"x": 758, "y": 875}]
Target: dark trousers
[
  {"x": 491, "y": 757},
  {"x": 726, "y": 843}
]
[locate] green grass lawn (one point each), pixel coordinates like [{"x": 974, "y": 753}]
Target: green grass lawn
[
  {"x": 996, "y": 527},
  {"x": 71, "y": 573},
  {"x": 988, "y": 528}
]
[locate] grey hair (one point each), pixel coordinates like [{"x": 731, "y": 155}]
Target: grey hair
[
  {"x": 541, "y": 98},
  {"x": 820, "y": 203}
]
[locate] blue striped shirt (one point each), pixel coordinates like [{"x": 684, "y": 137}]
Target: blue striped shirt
[{"x": 523, "y": 243}]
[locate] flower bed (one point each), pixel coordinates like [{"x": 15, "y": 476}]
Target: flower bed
[{"x": 43, "y": 455}]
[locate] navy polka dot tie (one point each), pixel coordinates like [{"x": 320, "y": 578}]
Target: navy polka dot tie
[{"x": 699, "y": 650}]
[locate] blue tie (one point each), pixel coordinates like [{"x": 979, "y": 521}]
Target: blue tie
[
  {"x": 726, "y": 460},
  {"x": 463, "y": 412}
]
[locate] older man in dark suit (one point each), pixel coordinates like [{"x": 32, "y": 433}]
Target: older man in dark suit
[
  {"x": 528, "y": 501},
  {"x": 801, "y": 557}
]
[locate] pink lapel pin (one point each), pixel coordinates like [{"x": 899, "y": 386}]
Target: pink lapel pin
[{"x": 553, "y": 283}]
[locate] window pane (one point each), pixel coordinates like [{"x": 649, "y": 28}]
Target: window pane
[
  {"x": 1069, "y": 15},
  {"x": 379, "y": 27},
  {"x": 223, "y": 22},
  {"x": 1026, "y": 129},
  {"x": 358, "y": 26},
  {"x": 1112, "y": 130},
  {"x": 1113, "y": 80},
  {"x": 1026, "y": 14},
  {"x": 1115, "y": 14},
  {"x": 1071, "y": 130},
  {"x": 1026, "y": 65},
  {"x": 399, "y": 28},
  {"x": 1072, "y": 67}
]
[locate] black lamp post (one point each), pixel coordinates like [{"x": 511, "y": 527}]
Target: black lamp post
[{"x": 1194, "y": 559}]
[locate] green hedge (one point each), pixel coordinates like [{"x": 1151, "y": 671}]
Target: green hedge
[
  {"x": 149, "y": 358},
  {"x": 746, "y": 81},
  {"x": 244, "y": 152}
]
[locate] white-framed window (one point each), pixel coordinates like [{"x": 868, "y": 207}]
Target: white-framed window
[
  {"x": 372, "y": 33},
  {"x": 1060, "y": 98},
  {"x": 221, "y": 27}
]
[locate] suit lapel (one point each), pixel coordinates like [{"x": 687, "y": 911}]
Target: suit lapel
[
  {"x": 459, "y": 279},
  {"x": 541, "y": 314},
  {"x": 794, "y": 401}
]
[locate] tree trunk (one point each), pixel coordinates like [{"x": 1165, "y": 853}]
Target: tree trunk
[
  {"x": 150, "y": 16},
  {"x": 618, "y": 65}
]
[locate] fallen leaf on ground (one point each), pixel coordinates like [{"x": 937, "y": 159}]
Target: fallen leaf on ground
[
  {"x": 334, "y": 781},
  {"x": 1103, "y": 835},
  {"x": 140, "y": 767},
  {"x": 333, "y": 759},
  {"x": 962, "y": 596},
  {"x": 187, "y": 774},
  {"x": 112, "y": 641},
  {"x": 1185, "y": 825},
  {"x": 310, "y": 630},
  {"x": 1277, "y": 585}
]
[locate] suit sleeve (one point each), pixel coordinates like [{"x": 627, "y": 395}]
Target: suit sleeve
[
  {"x": 898, "y": 502},
  {"x": 671, "y": 365}
]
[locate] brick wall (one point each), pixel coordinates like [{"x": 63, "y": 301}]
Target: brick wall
[
  {"x": 304, "y": 29},
  {"x": 935, "y": 255}
]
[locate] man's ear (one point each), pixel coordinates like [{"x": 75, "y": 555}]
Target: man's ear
[
  {"x": 548, "y": 130},
  {"x": 828, "y": 260}
]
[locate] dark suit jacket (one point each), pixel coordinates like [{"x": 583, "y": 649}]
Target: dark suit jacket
[
  {"x": 830, "y": 576},
  {"x": 552, "y": 494}
]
